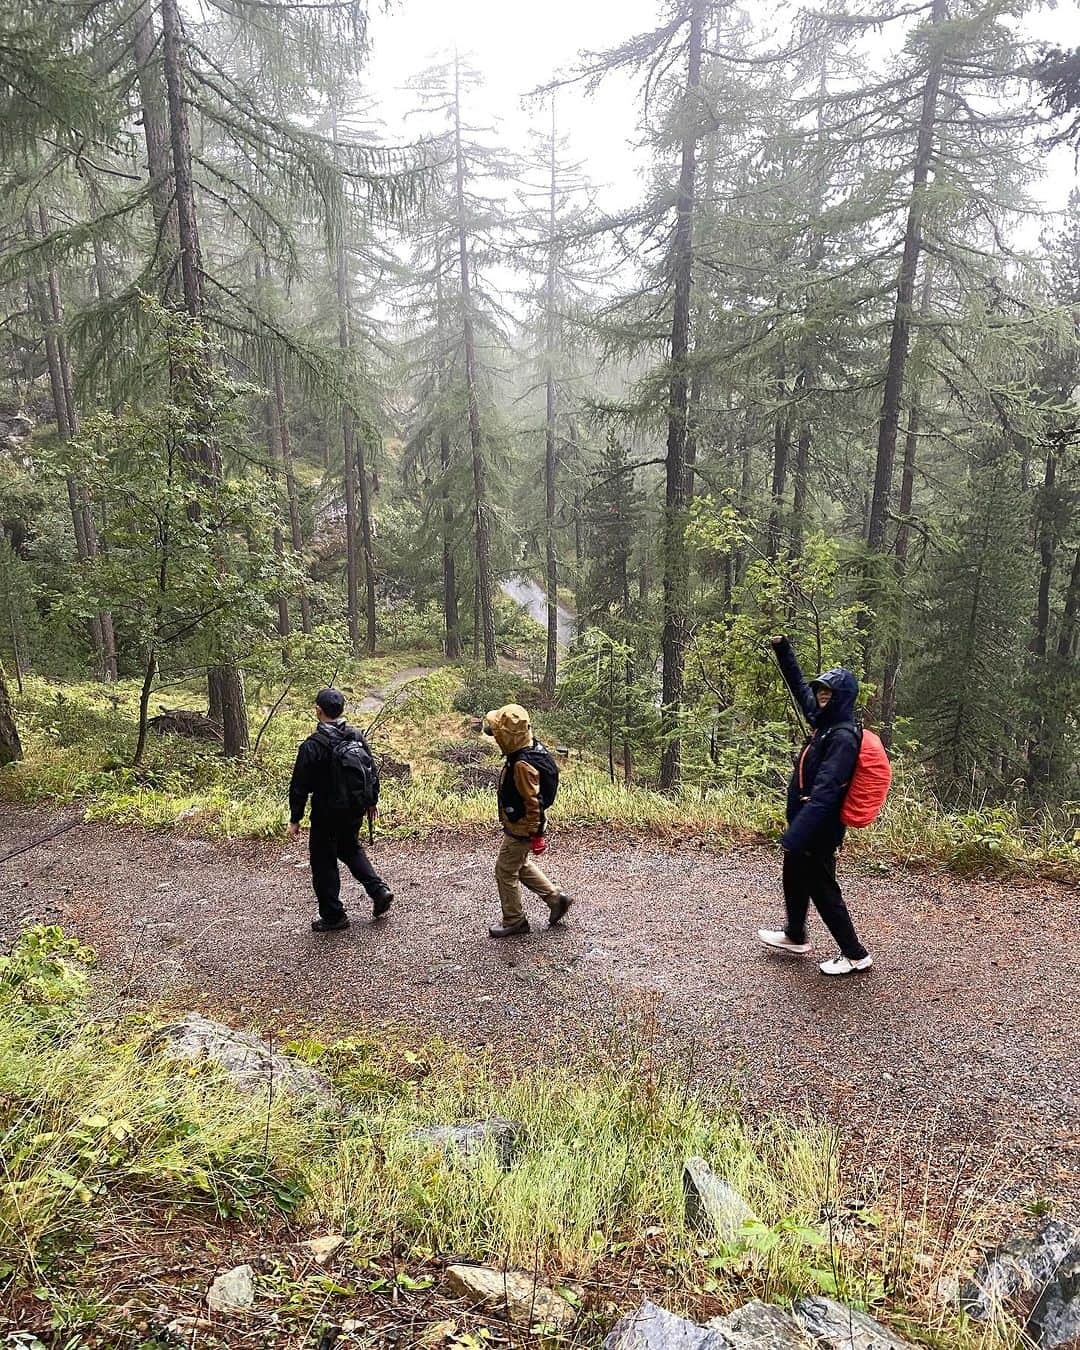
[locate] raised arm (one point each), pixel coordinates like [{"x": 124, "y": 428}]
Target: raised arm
[{"x": 794, "y": 678}]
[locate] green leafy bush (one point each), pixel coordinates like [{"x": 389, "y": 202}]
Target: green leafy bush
[{"x": 482, "y": 690}]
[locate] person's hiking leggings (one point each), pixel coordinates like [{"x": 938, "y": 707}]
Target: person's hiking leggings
[
  {"x": 333, "y": 839},
  {"x": 812, "y": 876},
  {"x": 515, "y": 868}
]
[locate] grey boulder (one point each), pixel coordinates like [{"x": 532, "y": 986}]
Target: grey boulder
[
  {"x": 1025, "y": 1265},
  {"x": 1055, "y": 1319},
  {"x": 474, "y": 1139},
  {"x": 247, "y": 1059},
  {"x": 651, "y": 1327},
  {"x": 838, "y": 1327},
  {"x": 711, "y": 1203},
  {"x": 760, "y": 1326}
]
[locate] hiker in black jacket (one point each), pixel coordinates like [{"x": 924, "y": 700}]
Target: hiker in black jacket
[
  {"x": 335, "y": 825},
  {"x": 815, "y": 831}
]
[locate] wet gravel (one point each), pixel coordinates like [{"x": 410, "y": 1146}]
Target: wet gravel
[{"x": 961, "y": 1046}]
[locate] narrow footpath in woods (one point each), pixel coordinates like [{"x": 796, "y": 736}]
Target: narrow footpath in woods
[{"x": 961, "y": 1046}]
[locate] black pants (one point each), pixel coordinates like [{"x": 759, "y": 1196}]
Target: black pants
[
  {"x": 333, "y": 839},
  {"x": 812, "y": 876}
]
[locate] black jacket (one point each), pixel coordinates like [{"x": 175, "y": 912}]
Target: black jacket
[
  {"x": 313, "y": 772},
  {"x": 827, "y": 760}
]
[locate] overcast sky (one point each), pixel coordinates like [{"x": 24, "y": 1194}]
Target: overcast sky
[{"x": 517, "y": 47}]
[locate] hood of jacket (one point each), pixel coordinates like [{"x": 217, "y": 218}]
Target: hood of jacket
[
  {"x": 841, "y": 707},
  {"x": 511, "y": 728}
]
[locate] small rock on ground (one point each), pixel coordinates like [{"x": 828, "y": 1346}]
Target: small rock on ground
[
  {"x": 523, "y": 1301},
  {"x": 323, "y": 1248},
  {"x": 233, "y": 1292}
]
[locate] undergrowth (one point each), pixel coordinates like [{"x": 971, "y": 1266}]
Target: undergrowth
[
  {"x": 79, "y": 737},
  {"x": 99, "y": 1137}
]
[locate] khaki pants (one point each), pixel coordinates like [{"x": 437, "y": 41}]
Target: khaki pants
[{"x": 515, "y": 868}]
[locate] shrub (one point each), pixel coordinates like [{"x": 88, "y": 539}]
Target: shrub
[{"x": 484, "y": 689}]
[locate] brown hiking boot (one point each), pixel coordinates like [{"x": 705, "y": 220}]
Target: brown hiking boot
[
  {"x": 501, "y": 930},
  {"x": 560, "y": 909}
]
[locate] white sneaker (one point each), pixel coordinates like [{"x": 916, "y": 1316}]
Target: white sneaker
[
  {"x": 844, "y": 965},
  {"x": 776, "y": 937}
]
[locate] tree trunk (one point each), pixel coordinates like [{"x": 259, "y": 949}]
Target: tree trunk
[
  {"x": 1067, "y": 636},
  {"x": 1047, "y": 551},
  {"x": 227, "y": 694},
  {"x": 348, "y": 440},
  {"x": 285, "y": 451},
  {"x": 551, "y": 565},
  {"x": 802, "y": 483},
  {"x": 144, "y": 705},
  {"x": 676, "y": 571},
  {"x": 369, "y": 547},
  {"x": 225, "y": 681},
  {"x": 62, "y": 386},
  {"x": 284, "y": 623},
  {"x": 894, "y": 654},
  {"x": 905, "y": 293},
  {"x": 10, "y": 745},
  {"x": 352, "y": 570},
  {"x": 155, "y": 133},
  {"x": 452, "y": 643},
  {"x": 781, "y": 451},
  {"x": 484, "y": 579},
  {"x": 451, "y": 631}
]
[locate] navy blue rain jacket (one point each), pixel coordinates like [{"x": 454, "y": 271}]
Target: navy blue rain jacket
[{"x": 817, "y": 790}]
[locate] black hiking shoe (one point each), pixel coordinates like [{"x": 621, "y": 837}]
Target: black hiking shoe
[
  {"x": 381, "y": 902},
  {"x": 326, "y": 926},
  {"x": 560, "y": 909},
  {"x": 501, "y": 930}
]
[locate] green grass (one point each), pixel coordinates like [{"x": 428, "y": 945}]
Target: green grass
[
  {"x": 100, "y": 1142},
  {"x": 79, "y": 737}
]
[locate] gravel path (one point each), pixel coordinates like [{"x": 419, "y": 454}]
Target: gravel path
[{"x": 964, "y": 1038}]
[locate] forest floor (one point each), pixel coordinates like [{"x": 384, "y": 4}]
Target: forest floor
[{"x": 959, "y": 1053}]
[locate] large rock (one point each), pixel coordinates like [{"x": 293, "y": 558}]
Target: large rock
[
  {"x": 245, "y": 1057},
  {"x": 651, "y": 1327},
  {"x": 518, "y": 1297},
  {"x": 1055, "y": 1319},
  {"x": 475, "y": 1138},
  {"x": 1023, "y": 1266},
  {"x": 233, "y": 1292},
  {"x": 760, "y": 1326},
  {"x": 711, "y": 1203},
  {"x": 838, "y": 1327}
]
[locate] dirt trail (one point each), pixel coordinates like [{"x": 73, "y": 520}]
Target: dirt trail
[{"x": 966, "y": 1033}]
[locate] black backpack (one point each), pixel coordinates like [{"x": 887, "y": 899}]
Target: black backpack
[
  {"x": 354, "y": 788},
  {"x": 543, "y": 761}
]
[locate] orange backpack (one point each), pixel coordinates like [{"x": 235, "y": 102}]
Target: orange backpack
[
  {"x": 870, "y": 781},
  {"x": 869, "y": 784}
]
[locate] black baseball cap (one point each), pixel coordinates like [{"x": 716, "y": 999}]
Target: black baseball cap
[{"x": 331, "y": 701}]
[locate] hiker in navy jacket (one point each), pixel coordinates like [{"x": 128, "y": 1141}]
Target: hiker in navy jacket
[{"x": 815, "y": 831}]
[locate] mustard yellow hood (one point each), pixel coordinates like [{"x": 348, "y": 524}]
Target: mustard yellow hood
[{"x": 511, "y": 728}]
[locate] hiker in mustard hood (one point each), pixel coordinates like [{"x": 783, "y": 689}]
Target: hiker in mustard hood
[{"x": 527, "y": 786}]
